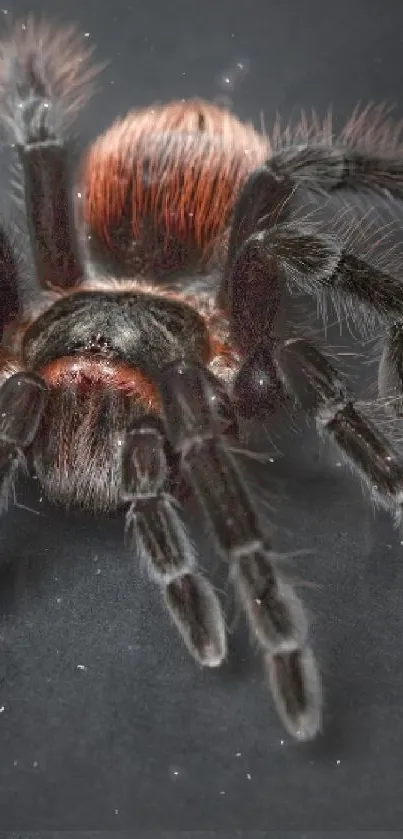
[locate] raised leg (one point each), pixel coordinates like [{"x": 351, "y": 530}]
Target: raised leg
[
  {"x": 332, "y": 167},
  {"x": 43, "y": 82},
  {"x": 197, "y": 414},
  {"x": 160, "y": 536}
]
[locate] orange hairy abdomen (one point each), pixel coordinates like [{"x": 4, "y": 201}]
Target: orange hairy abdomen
[{"x": 168, "y": 175}]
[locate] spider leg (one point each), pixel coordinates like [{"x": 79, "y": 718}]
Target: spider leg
[
  {"x": 197, "y": 413},
  {"x": 296, "y": 367},
  {"x": 267, "y": 251},
  {"x": 41, "y": 73},
  {"x": 264, "y": 195},
  {"x": 161, "y": 538},
  {"x": 264, "y": 200},
  {"x": 390, "y": 373},
  {"x": 328, "y": 167},
  {"x": 315, "y": 263},
  {"x": 267, "y": 260},
  {"x": 288, "y": 254},
  {"x": 22, "y": 404}
]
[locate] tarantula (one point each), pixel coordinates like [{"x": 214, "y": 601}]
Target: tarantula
[{"x": 124, "y": 392}]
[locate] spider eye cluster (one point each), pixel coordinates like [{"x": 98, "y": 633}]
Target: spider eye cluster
[{"x": 98, "y": 343}]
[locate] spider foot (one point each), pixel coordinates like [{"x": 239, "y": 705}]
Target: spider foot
[
  {"x": 295, "y": 685},
  {"x": 195, "y": 608}
]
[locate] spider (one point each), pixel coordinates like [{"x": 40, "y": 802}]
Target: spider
[{"x": 125, "y": 392}]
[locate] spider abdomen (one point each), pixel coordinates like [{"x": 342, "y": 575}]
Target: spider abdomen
[{"x": 160, "y": 185}]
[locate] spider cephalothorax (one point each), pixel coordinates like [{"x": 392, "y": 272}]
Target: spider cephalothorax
[{"x": 126, "y": 392}]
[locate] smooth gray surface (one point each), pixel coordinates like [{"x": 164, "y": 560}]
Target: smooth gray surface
[{"x": 105, "y": 722}]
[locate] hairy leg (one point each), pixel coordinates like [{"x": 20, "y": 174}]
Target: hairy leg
[
  {"x": 197, "y": 413},
  {"x": 160, "y": 536},
  {"x": 44, "y": 80},
  {"x": 22, "y": 404}
]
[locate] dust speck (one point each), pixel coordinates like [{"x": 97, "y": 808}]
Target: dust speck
[{"x": 234, "y": 75}]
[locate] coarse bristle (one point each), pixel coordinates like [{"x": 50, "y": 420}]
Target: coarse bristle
[
  {"x": 168, "y": 173},
  {"x": 45, "y": 76},
  {"x": 371, "y": 128}
]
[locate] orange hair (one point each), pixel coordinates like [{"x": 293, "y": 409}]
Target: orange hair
[{"x": 175, "y": 168}]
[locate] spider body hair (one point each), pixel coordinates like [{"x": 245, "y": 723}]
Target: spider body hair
[
  {"x": 160, "y": 184},
  {"x": 45, "y": 79},
  {"x": 99, "y": 353},
  {"x": 122, "y": 392}
]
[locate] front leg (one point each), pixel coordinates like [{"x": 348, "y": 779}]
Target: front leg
[
  {"x": 198, "y": 415},
  {"x": 23, "y": 399},
  {"x": 154, "y": 522}
]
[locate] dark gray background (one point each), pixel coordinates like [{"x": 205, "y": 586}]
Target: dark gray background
[{"x": 105, "y": 722}]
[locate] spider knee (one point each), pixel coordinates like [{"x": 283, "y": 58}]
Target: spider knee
[
  {"x": 275, "y": 613},
  {"x": 152, "y": 517}
]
